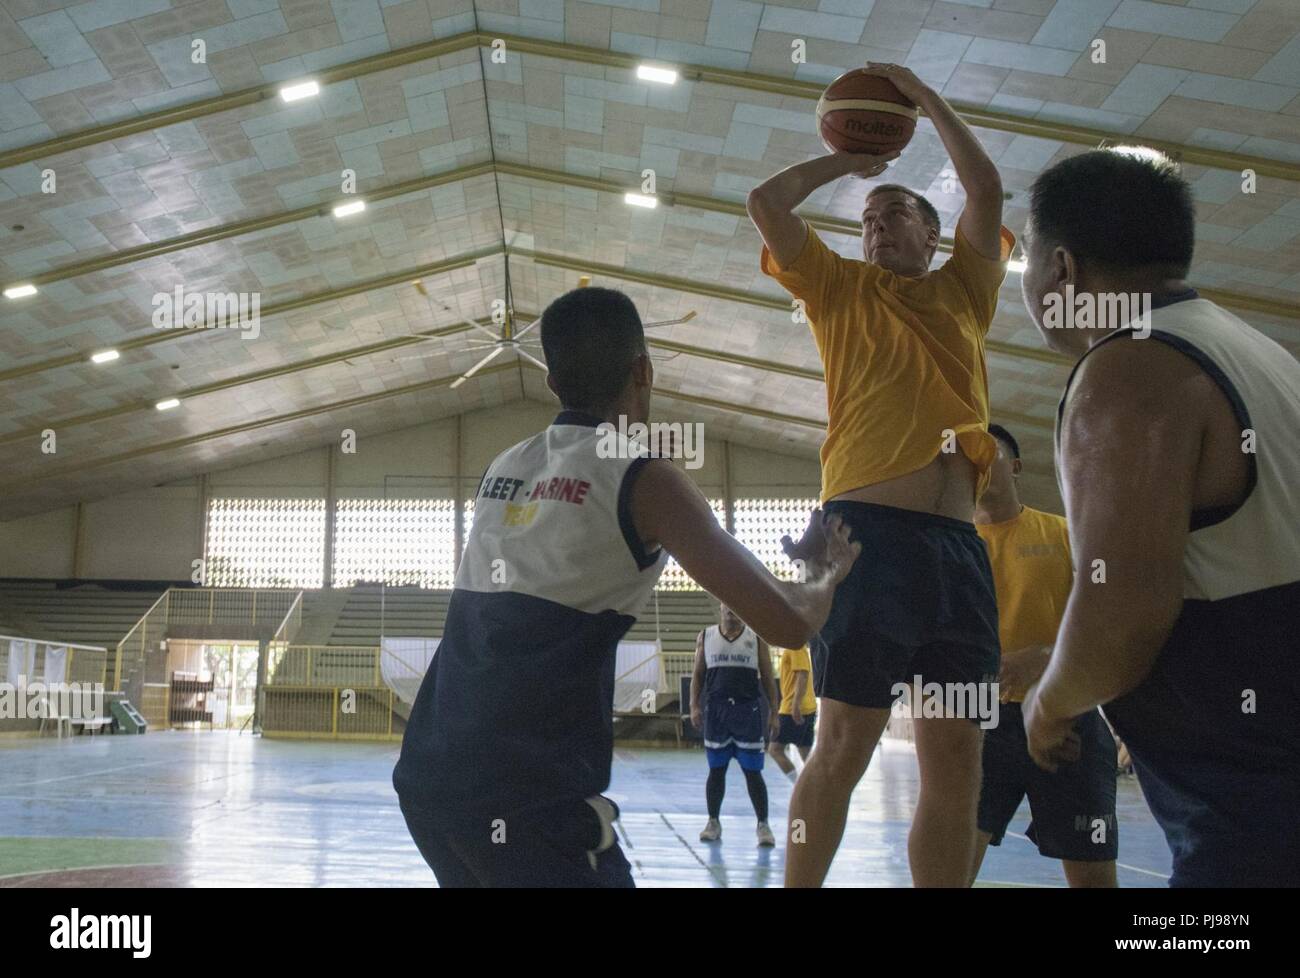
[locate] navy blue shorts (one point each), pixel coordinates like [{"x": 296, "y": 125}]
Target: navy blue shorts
[
  {"x": 798, "y": 734},
  {"x": 548, "y": 846},
  {"x": 919, "y": 601},
  {"x": 1072, "y": 811},
  {"x": 729, "y": 722}
]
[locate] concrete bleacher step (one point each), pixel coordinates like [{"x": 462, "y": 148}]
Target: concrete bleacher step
[
  {"x": 320, "y": 612},
  {"x": 370, "y": 611},
  {"x": 88, "y": 614},
  {"x": 13, "y": 622}
]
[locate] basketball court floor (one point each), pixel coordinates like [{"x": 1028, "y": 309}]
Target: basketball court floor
[{"x": 220, "y": 809}]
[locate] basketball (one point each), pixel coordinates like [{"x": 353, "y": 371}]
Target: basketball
[{"x": 862, "y": 113}]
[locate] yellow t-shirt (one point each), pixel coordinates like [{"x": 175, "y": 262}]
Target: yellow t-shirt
[
  {"x": 903, "y": 358},
  {"x": 794, "y": 661},
  {"x": 1032, "y": 575}
]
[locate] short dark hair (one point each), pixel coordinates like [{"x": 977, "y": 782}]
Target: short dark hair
[
  {"x": 924, "y": 206},
  {"x": 1117, "y": 208},
  {"x": 1004, "y": 436},
  {"x": 591, "y": 338}
]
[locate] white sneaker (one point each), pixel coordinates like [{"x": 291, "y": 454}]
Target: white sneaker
[
  {"x": 765, "y": 836},
  {"x": 712, "y": 831}
]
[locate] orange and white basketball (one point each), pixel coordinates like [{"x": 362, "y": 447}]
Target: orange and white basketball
[{"x": 861, "y": 113}]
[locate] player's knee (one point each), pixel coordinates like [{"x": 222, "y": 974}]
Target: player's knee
[
  {"x": 1090, "y": 875},
  {"x": 842, "y": 758}
]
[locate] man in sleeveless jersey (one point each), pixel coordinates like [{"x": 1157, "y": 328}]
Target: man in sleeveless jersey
[
  {"x": 1073, "y": 808},
  {"x": 905, "y": 456},
  {"x": 732, "y": 693},
  {"x": 510, "y": 740},
  {"x": 1179, "y": 456}
]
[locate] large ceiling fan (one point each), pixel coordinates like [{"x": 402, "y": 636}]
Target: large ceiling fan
[{"x": 512, "y": 339}]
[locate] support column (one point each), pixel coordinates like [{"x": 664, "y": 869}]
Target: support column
[
  {"x": 728, "y": 498},
  {"x": 259, "y": 695},
  {"x": 330, "y": 496},
  {"x": 201, "y": 529},
  {"x": 458, "y": 496},
  {"x": 79, "y": 542}
]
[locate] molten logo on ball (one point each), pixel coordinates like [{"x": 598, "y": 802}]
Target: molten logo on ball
[{"x": 873, "y": 127}]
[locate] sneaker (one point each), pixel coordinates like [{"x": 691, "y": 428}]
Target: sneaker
[
  {"x": 712, "y": 831},
  {"x": 765, "y": 836}
]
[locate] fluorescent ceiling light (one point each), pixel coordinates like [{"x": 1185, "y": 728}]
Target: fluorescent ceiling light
[
  {"x": 666, "y": 76},
  {"x": 352, "y": 207},
  {"x": 640, "y": 200},
  {"x": 19, "y": 291},
  {"x": 1017, "y": 265},
  {"x": 104, "y": 356},
  {"x": 292, "y": 93},
  {"x": 168, "y": 404},
  {"x": 1141, "y": 153}
]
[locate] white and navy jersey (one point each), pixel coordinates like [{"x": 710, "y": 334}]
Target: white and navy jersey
[
  {"x": 731, "y": 666},
  {"x": 516, "y": 708},
  {"x": 1213, "y": 728}
]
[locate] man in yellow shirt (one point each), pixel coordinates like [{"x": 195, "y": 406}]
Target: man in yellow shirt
[
  {"x": 1073, "y": 809},
  {"x": 906, "y": 452},
  {"x": 798, "y": 709}
]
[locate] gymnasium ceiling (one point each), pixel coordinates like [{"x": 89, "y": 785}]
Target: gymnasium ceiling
[{"x": 175, "y": 173}]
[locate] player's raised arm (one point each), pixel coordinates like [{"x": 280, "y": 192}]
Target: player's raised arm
[
  {"x": 981, "y": 219},
  {"x": 772, "y": 203},
  {"x": 669, "y": 511}
]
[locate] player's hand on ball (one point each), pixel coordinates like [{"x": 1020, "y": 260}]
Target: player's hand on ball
[
  {"x": 868, "y": 165},
  {"x": 904, "y": 79},
  {"x": 1052, "y": 742}
]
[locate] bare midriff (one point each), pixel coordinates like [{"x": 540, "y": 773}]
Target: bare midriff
[{"x": 944, "y": 487}]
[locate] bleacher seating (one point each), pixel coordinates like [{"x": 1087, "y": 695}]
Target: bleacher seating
[
  {"x": 96, "y": 614},
  {"x": 99, "y": 614},
  {"x": 417, "y": 613},
  {"x": 89, "y": 614}
]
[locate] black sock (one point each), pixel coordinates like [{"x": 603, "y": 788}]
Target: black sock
[
  {"x": 757, "y": 793},
  {"x": 715, "y": 789}
]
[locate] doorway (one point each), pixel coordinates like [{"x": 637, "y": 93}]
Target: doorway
[{"x": 230, "y": 668}]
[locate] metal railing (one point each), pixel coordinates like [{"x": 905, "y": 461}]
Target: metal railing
[
  {"x": 291, "y": 624},
  {"x": 134, "y": 645},
  {"x": 329, "y": 712},
  {"x": 324, "y": 665},
  {"x": 330, "y": 665},
  {"x": 333, "y": 692},
  {"x": 230, "y": 606},
  {"x": 204, "y": 606}
]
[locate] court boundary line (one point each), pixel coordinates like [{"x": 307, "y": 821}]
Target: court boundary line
[{"x": 1118, "y": 864}]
